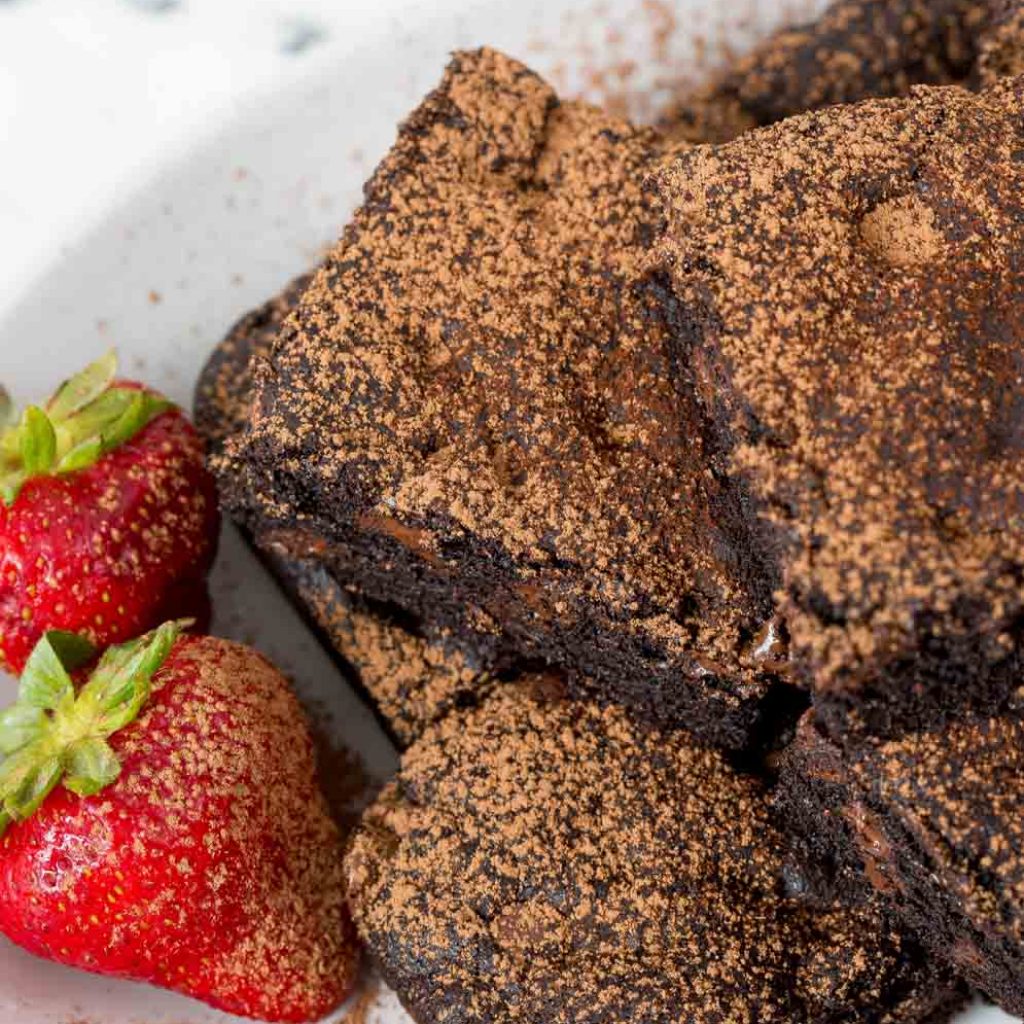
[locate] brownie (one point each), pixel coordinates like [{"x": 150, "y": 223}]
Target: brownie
[
  {"x": 855, "y": 282},
  {"x": 854, "y": 50},
  {"x": 1002, "y": 44},
  {"x": 479, "y": 413},
  {"x": 932, "y": 822},
  {"x": 538, "y": 859},
  {"x": 413, "y": 679}
]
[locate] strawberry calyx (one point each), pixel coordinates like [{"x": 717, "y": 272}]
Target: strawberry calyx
[
  {"x": 87, "y": 417},
  {"x": 56, "y": 734}
]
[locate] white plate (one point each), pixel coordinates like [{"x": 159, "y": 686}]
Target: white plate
[{"x": 222, "y": 228}]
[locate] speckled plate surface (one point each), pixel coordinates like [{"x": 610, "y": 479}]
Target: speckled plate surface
[{"x": 222, "y": 226}]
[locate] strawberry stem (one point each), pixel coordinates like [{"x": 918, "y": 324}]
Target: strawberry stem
[
  {"x": 52, "y": 734},
  {"x": 87, "y": 417}
]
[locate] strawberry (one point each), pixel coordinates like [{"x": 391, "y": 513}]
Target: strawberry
[
  {"x": 163, "y": 823},
  {"x": 108, "y": 515}
]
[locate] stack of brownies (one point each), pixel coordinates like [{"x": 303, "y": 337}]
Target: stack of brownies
[{"x": 665, "y": 489}]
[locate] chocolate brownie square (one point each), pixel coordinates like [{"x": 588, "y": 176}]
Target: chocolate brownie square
[
  {"x": 932, "y": 823},
  {"x": 544, "y": 860},
  {"x": 480, "y": 413},
  {"x": 855, "y": 281}
]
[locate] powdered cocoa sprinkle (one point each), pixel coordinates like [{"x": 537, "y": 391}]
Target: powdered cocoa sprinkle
[
  {"x": 857, "y": 277},
  {"x": 903, "y": 232},
  {"x": 544, "y": 860}
]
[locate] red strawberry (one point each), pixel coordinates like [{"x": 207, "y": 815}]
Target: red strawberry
[
  {"x": 188, "y": 844},
  {"x": 108, "y": 516}
]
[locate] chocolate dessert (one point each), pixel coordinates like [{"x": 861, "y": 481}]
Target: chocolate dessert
[
  {"x": 1002, "y": 45},
  {"x": 855, "y": 286},
  {"x": 481, "y": 413},
  {"x": 544, "y": 860},
  {"x": 537, "y": 430},
  {"x": 932, "y": 823},
  {"x": 855, "y": 50}
]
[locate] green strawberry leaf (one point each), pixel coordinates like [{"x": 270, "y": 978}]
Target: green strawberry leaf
[
  {"x": 37, "y": 442},
  {"x": 20, "y": 725},
  {"x": 86, "y": 419},
  {"x": 84, "y": 388},
  {"x": 82, "y": 456},
  {"x": 142, "y": 409},
  {"x": 45, "y": 681},
  {"x": 27, "y": 779},
  {"x": 95, "y": 418},
  {"x": 10, "y": 486},
  {"x": 51, "y": 735},
  {"x": 73, "y": 649},
  {"x": 120, "y": 685}
]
